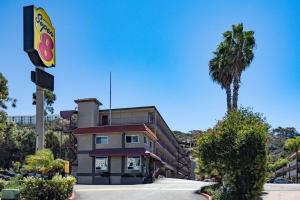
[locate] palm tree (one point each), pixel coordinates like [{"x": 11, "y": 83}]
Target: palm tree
[
  {"x": 219, "y": 70},
  {"x": 293, "y": 145},
  {"x": 241, "y": 45},
  {"x": 43, "y": 162}
]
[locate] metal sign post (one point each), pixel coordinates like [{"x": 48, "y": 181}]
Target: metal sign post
[
  {"x": 40, "y": 129},
  {"x": 39, "y": 44}
]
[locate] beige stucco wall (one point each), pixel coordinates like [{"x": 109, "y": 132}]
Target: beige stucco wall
[
  {"x": 85, "y": 163},
  {"x": 88, "y": 114},
  {"x": 114, "y": 140},
  {"x": 84, "y": 142},
  {"x": 116, "y": 163},
  {"x": 128, "y": 117}
]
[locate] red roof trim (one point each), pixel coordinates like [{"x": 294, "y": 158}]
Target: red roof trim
[
  {"x": 124, "y": 152},
  {"x": 117, "y": 128},
  {"x": 118, "y": 152}
]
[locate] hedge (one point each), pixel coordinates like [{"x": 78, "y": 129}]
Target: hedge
[
  {"x": 58, "y": 188},
  {"x": 2, "y": 184}
]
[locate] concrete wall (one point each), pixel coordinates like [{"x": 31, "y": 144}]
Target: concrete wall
[
  {"x": 85, "y": 163},
  {"x": 84, "y": 179},
  {"x": 127, "y": 117},
  {"x": 116, "y": 163},
  {"x": 84, "y": 142},
  {"x": 88, "y": 114}
]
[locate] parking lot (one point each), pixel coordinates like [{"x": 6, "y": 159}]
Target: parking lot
[{"x": 163, "y": 189}]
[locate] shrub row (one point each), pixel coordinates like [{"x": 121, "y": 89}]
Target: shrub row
[
  {"x": 2, "y": 184},
  {"x": 58, "y": 188}
]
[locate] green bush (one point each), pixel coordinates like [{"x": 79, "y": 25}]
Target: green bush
[
  {"x": 2, "y": 184},
  {"x": 14, "y": 183},
  {"x": 236, "y": 148},
  {"x": 43, "y": 162},
  {"x": 58, "y": 188}
]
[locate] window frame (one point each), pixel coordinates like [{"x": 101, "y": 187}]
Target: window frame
[
  {"x": 138, "y": 139},
  {"x": 140, "y": 164},
  {"x": 99, "y": 136},
  {"x": 106, "y": 157}
]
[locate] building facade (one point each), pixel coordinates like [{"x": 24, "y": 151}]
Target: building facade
[
  {"x": 135, "y": 146},
  {"x": 290, "y": 171}
]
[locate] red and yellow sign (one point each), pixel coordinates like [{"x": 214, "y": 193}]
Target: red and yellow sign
[
  {"x": 44, "y": 37},
  {"x": 39, "y": 37}
]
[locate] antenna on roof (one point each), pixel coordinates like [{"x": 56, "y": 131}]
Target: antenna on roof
[{"x": 109, "y": 98}]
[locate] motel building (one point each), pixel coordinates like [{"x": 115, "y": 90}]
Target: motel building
[{"x": 135, "y": 147}]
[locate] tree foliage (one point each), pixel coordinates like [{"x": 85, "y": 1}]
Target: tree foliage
[
  {"x": 43, "y": 162},
  {"x": 292, "y": 144},
  {"x": 49, "y": 99},
  {"x": 233, "y": 55},
  {"x": 4, "y": 93},
  {"x": 288, "y": 132},
  {"x": 236, "y": 149}
]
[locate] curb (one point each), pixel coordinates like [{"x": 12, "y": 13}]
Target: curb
[
  {"x": 72, "y": 197},
  {"x": 206, "y": 196}
]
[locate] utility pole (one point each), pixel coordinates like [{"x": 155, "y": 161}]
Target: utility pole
[{"x": 110, "y": 98}]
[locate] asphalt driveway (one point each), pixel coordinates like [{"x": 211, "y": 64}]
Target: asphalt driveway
[
  {"x": 163, "y": 189},
  {"x": 281, "y": 192}
]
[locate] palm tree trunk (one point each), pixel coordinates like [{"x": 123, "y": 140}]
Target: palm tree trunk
[
  {"x": 228, "y": 98},
  {"x": 236, "y": 86}
]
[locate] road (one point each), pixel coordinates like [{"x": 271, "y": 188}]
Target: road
[
  {"x": 162, "y": 189},
  {"x": 281, "y": 192}
]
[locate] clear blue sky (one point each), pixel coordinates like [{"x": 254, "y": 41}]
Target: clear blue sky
[{"x": 158, "y": 52}]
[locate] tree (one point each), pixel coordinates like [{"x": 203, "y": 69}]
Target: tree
[
  {"x": 293, "y": 145},
  {"x": 241, "y": 44},
  {"x": 220, "y": 71},
  {"x": 288, "y": 132},
  {"x": 236, "y": 149},
  {"x": 4, "y": 94},
  {"x": 233, "y": 55},
  {"x": 52, "y": 142},
  {"x": 49, "y": 99}
]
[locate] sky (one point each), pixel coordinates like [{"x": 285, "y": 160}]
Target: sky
[{"x": 158, "y": 52}]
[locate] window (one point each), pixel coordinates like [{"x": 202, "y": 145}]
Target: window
[
  {"x": 150, "y": 144},
  {"x": 134, "y": 162},
  {"x": 145, "y": 140},
  {"x": 104, "y": 120},
  {"x": 102, "y": 140},
  {"x": 132, "y": 139},
  {"x": 101, "y": 163}
]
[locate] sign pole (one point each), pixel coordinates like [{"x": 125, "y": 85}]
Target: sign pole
[
  {"x": 39, "y": 44},
  {"x": 40, "y": 129}
]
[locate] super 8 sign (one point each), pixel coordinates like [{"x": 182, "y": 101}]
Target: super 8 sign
[{"x": 39, "y": 37}]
